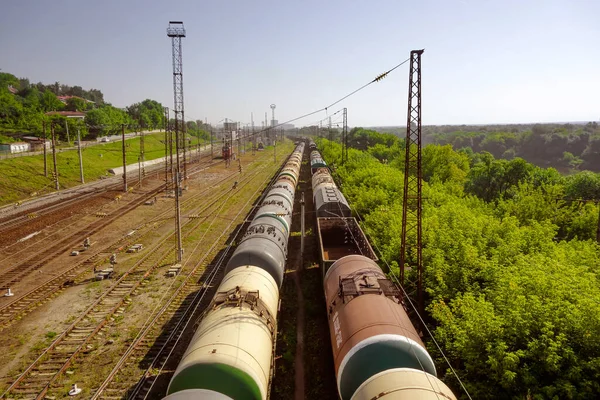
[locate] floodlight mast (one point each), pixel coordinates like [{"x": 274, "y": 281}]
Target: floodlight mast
[{"x": 176, "y": 32}]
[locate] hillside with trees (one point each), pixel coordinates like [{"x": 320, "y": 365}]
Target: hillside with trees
[
  {"x": 511, "y": 258},
  {"x": 566, "y": 147},
  {"x": 24, "y": 107}
]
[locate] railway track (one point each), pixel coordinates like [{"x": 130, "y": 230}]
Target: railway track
[
  {"x": 36, "y": 380},
  {"x": 158, "y": 338},
  {"x": 16, "y": 272},
  {"x": 59, "y": 226},
  {"x": 38, "y": 212},
  {"x": 10, "y": 312},
  {"x": 14, "y": 221},
  {"x": 57, "y": 246}
]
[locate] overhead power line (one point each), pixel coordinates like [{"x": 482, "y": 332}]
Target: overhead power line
[{"x": 376, "y": 79}]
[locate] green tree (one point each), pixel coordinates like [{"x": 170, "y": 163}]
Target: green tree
[
  {"x": 511, "y": 267},
  {"x": 10, "y": 108},
  {"x": 148, "y": 114},
  {"x": 583, "y": 185},
  {"x": 76, "y": 104},
  {"x": 50, "y": 102},
  {"x": 7, "y": 80},
  {"x": 106, "y": 120}
]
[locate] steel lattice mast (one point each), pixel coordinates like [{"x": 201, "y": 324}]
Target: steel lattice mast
[
  {"x": 176, "y": 32},
  {"x": 345, "y": 137},
  {"x": 412, "y": 206}
]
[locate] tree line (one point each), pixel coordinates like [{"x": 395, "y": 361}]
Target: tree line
[
  {"x": 567, "y": 147},
  {"x": 511, "y": 262},
  {"x": 24, "y": 107}
]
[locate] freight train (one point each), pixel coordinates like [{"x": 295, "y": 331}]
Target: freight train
[
  {"x": 377, "y": 352},
  {"x": 227, "y": 151},
  {"x": 231, "y": 353},
  {"x": 328, "y": 199}
]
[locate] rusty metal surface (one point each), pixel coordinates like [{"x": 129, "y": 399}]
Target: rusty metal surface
[
  {"x": 340, "y": 237},
  {"x": 366, "y": 310},
  {"x": 370, "y": 331}
]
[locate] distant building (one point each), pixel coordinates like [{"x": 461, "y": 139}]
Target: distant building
[
  {"x": 230, "y": 126},
  {"x": 68, "y": 114},
  {"x": 64, "y": 99},
  {"x": 16, "y": 147},
  {"x": 36, "y": 143}
]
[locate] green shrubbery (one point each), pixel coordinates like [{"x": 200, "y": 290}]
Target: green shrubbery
[{"x": 512, "y": 267}]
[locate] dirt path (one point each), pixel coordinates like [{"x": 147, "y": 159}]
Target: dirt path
[{"x": 299, "y": 360}]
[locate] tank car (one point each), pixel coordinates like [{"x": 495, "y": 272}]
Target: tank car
[
  {"x": 377, "y": 351},
  {"x": 230, "y": 355},
  {"x": 329, "y": 200},
  {"x": 265, "y": 242},
  {"x": 316, "y": 161}
]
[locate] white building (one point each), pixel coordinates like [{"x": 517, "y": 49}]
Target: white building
[
  {"x": 16, "y": 147},
  {"x": 36, "y": 143}
]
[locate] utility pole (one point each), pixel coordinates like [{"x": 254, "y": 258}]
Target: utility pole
[
  {"x": 80, "y": 158},
  {"x": 176, "y": 32},
  {"x": 45, "y": 151},
  {"x": 211, "y": 143},
  {"x": 198, "y": 144},
  {"x": 329, "y": 129},
  {"x": 67, "y": 129},
  {"x": 142, "y": 153},
  {"x": 205, "y": 127},
  {"x": 253, "y": 138},
  {"x": 345, "y": 137},
  {"x": 412, "y": 205},
  {"x": 177, "y": 205},
  {"x": 140, "y": 171},
  {"x": 124, "y": 159},
  {"x": 54, "y": 156},
  {"x": 166, "y": 124},
  {"x": 184, "y": 140},
  {"x": 171, "y": 141}
]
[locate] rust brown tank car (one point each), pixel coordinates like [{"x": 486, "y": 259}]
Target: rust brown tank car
[{"x": 370, "y": 330}]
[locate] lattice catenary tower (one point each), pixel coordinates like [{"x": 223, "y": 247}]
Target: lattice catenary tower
[
  {"x": 412, "y": 205},
  {"x": 273, "y": 115},
  {"x": 176, "y": 32}
]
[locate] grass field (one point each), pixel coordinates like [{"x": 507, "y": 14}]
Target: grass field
[{"x": 22, "y": 176}]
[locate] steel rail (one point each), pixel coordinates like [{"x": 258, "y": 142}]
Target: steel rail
[
  {"x": 22, "y": 304},
  {"x": 182, "y": 292},
  {"x": 89, "y": 333}
]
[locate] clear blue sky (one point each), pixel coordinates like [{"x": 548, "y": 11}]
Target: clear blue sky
[{"x": 484, "y": 61}]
